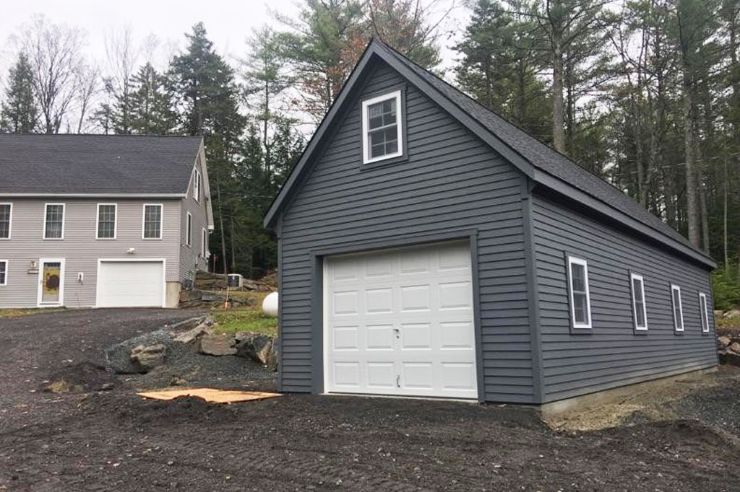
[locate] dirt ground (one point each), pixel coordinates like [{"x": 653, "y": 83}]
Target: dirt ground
[{"x": 106, "y": 440}]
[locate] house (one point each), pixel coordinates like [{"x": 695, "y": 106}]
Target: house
[
  {"x": 429, "y": 248},
  {"x": 101, "y": 221}
]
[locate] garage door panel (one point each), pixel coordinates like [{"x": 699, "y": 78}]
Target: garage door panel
[
  {"x": 401, "y": 322},
  {"x": 130, "y": 284}
]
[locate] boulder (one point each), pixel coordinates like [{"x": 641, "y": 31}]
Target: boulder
[
  {"x": 729, "y": 358},
  {"x": 193, "y": 334},
  {"x": 724, "y": 341},
  {"x": 733, "y": 313},
  {"x": 718, "y": 314},
  {"x": 118, "y": 356},
  {"x": 147, "y": 357},
  {"x": 734, "y": 347},
  {"x": 259, "y": 348},
  {"x": 217, "y": 344}
]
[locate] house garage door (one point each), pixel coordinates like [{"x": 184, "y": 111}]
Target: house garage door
[
  {"x": 131, "y": 284},
  {"x": 400, "y": 322}
]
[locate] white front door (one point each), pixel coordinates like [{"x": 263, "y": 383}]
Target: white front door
[
  {"x": 51, "y": 282},
  {"x": 401, "y": 322},
  {"x": 130, "y": 283}
]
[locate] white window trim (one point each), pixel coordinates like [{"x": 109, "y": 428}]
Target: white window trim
[
  {"x": 633, "y": 277},
  {"x": 97, "y": 222},
  {"x": 704, "y": 313},
  {"x": 196, "y": 185},
  {"x": 64, "y": 219},
  {"x": 676, "y": 288},
  {"x": 578, "y": 261},
  {"x": 365, "y": 144},
  {"x": 10, "y": 223},
  {"x": 189, "y": 230},
  {"x": 203, "y": 243},
  {"x": 143, "y": 221},
  {"x": 7, "y": 268}
]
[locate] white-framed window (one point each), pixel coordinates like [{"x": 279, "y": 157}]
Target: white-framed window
[
  {"x": 704, "y": 312},
  {"x": 107, "y": 221},
  {"x": 152, "y": 221},
  {"x": 189, "y": 230},
  {"x": 6, "y": 220},
  {"x": 639, "y": 310},
  {"x": 54, "y": 221},
  {"x": 204, "y": 243},
  {"x": 3, "y": 273},
  {"x": 196, "y": 185},
  {"x": 580, "y": 299},
  {"x": 677, "y": 307},
  {"x": 382, "y": 135}
]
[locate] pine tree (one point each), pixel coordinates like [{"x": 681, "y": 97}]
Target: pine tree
[
  {"x": 151, "y": 103},
  {"x": 19, "y": 112}
]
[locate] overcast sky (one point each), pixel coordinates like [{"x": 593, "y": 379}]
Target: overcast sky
[{"x": 229, "y": 22}]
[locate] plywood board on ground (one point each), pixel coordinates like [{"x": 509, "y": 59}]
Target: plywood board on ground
[{"x": 211, "y": 395}]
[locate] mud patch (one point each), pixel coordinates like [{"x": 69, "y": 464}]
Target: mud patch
[{"x": 79, "y": 378}]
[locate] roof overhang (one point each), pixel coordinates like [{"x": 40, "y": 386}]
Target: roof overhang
[{"x": 94, "y": 195}]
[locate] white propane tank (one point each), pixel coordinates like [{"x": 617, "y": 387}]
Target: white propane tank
[{"x": 270, "y": 304}]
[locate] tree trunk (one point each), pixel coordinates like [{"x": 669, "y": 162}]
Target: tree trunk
[
  {"x": 558, "y": 113},
  {"x": 692, "y": 202},
  {"x": 221, "y": 225},
  {"x": 724, "y": 219}
]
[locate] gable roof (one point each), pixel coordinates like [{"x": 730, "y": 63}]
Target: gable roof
[
  {"x": 536, "y": 160},
  {"x": 36, "y": 165}
]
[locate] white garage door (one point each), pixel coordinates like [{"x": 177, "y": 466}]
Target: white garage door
[
  {"x": 131, "y": 284},
  {"x": 400, "y": 322}
]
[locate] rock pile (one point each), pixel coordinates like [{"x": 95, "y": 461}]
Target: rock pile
[
  {"x": 197, "y": 298},
  {"x": 729, "y": 350}
]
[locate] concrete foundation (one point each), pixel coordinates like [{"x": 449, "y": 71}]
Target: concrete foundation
[{"x": 172, "y": 295}]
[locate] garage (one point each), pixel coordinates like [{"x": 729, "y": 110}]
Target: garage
[
  {"x": 131, "y": 283},
  {"x": 401, "y": 322}
]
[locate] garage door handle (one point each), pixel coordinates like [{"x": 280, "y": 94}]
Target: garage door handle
[
  {"x": 397, "y": 332},
  {"x": 398, "y": 381}
]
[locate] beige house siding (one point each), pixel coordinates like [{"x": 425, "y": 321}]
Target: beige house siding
[
  {"x": 80, "y": 248},
  {"x": 190, "y": 256}
]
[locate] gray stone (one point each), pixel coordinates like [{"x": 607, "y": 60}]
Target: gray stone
[
  {"x": 118, "y": 356},
  {"x": 217, "y": 344},
  {"x": 729, "y": 358},
  {"x": 718, "y": 314},
  {"x": 734, "y": 347},
  {"x": 193, "y": 334},
  {"x": 256, "y": 347},
  {"x": 724, "y": 341},
  {"x": 146, "y": 358},
  {"x": 733, "y": 313}
]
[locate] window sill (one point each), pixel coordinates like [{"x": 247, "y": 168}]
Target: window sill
[{"x": 368, "y": 166}]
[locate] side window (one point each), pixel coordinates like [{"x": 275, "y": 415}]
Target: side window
[
  {"x": 196, "y": 185},
  {"x": 580, "y": 302},
  {"x": 677, "y": 307},
  {"x": 6, "y": 212},
  {"x": 3, "y": 273},
  {"x": 152, "y": 222},
  {"x": 204, "y": 243},
  {"x": 382, "y": 135},
  {"x": 704, "y": 312},
  {"x": 189, "y": 230},
  {"x": 54, "y": 221},
  {"x": 639, "y": 310}
]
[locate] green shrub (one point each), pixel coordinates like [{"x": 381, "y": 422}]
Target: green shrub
[{"x": 726, "y": 288}]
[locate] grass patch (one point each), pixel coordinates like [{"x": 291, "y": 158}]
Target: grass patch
[
  {"x": 247, "y": 318},
  {"x": 17, "y": 313}
]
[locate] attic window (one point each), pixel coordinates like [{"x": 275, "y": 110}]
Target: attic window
[
  {"x": 381, "y": 127},
  {"x": 196, "y": 185}
]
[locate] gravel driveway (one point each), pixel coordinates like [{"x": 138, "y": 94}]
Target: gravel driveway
[{"x": 115, "y": 441}]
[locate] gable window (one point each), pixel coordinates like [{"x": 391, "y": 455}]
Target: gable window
[
  {"x": 54, "y": 221},
  {"x": 152, "y": 221},
  {"x": 6, "y": 209},
  {"x": 106, "y": 221},
  {"x": 189, "y": 230},
  {"x": 677, "y": 307},
  {"x": 381, "y": 127},
  {"x": 703, "y": 312},
  {"x": 580, "y": 302},
  {"x": 3, "y": 273},
  {"x": 204, "y": 243},
  {"x": 639, "y": 310},
  {"x": 196, "y": 185}
]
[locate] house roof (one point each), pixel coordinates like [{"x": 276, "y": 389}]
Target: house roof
[
  {"x": 96, "y": 164},
  {"x": 545, "y": 166}
]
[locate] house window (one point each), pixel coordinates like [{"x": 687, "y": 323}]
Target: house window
[
  {"x": 638, "y": 301},
  {"x": 189, "y": 230},
  {"x": 196, "y": 185},
  {"x": 704, "y": 312},
  {"x": 204, "y": 243},
  {"x": 580, "y": 302},
  {"x": 153, "y": 221},
  {"x": 54, "y": 221},
  {"x": 6, "y": 209},
  {"x": 3, "y": 273},
  {"x": 677, "y": 307},
  {"x": 382, "y": 132},
  {"x": 106, "y": 221}
]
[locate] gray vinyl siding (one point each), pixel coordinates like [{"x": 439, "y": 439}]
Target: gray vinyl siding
[
  {"x": 452, "y": 181},
  {"x": 190, "y": 256},
  {"x": 80, "y": 248},
  {"x": 611, "y": 354}
]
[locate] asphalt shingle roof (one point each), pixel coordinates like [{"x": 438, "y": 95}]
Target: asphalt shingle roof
[{"x": 83, "y": 164}]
